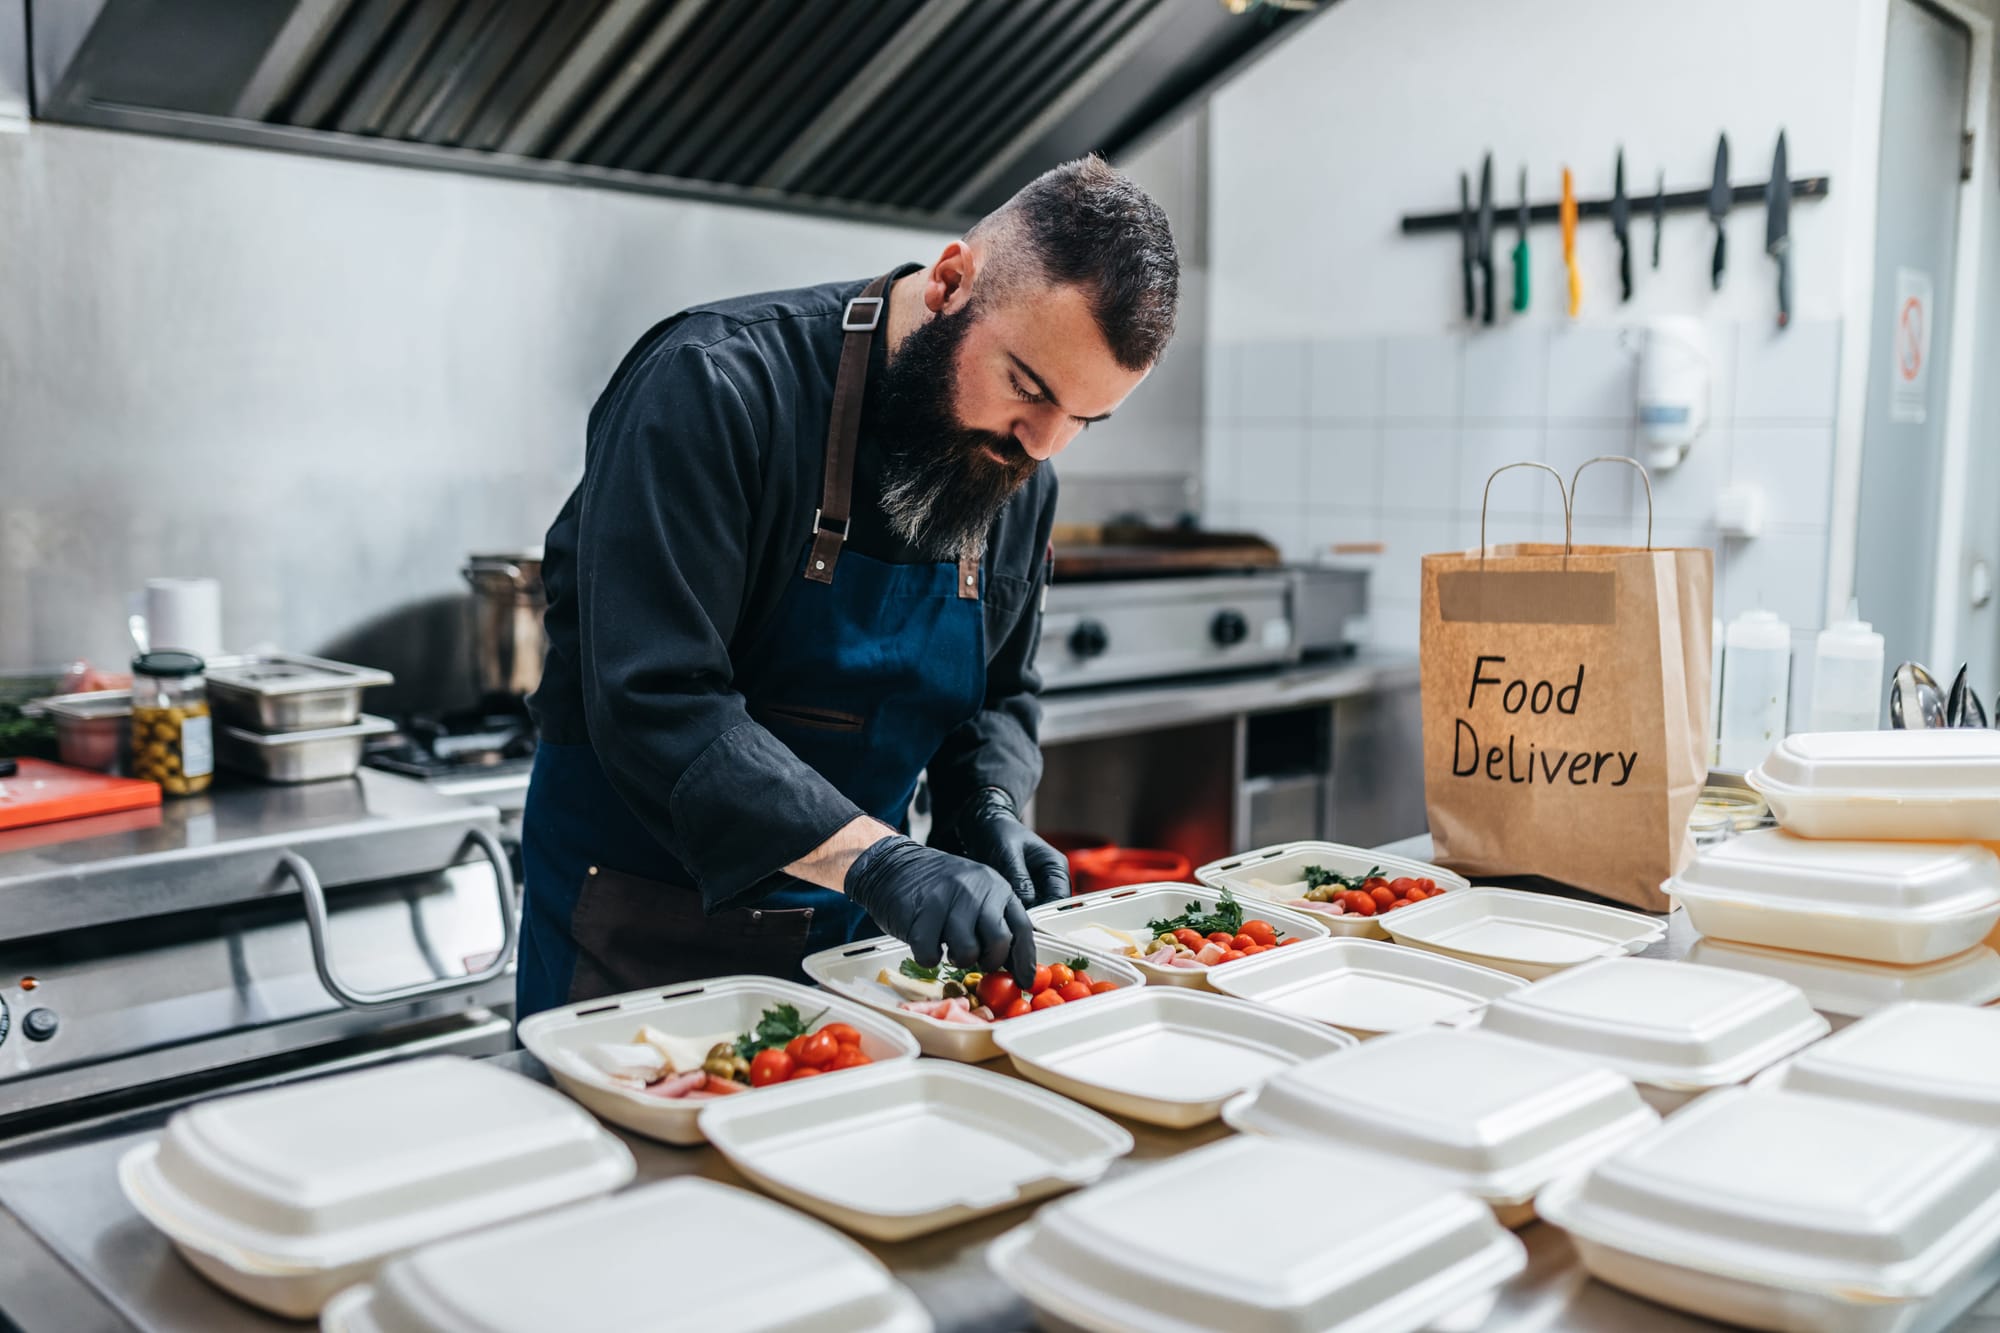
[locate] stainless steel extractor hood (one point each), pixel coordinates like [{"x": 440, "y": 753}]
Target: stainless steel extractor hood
[{"x": 927, "y": 110}]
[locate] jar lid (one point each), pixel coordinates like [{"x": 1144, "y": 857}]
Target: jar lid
[{"x": 168, "y": 662}]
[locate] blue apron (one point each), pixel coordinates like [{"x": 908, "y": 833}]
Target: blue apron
[{"x": 862, "y": 676}]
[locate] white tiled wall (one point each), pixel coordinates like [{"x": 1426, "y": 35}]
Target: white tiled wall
[{"x": 1392, "y": 440}]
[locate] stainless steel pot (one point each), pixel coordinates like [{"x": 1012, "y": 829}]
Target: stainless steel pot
[{"x": 508, "y": 602}]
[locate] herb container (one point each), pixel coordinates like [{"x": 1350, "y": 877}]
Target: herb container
[
  {"x": 1279, "y": 874},
  {"x": 173, "y": 743}
]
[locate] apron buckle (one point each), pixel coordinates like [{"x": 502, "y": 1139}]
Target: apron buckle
[{"x": 853, "y": 323}]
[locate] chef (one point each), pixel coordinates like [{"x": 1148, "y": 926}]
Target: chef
[{"x": 804, "y": 567}]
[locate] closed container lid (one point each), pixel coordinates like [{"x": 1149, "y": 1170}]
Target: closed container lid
[
  {"x": 1810, "y": 1193},
  {"x": 1851, "y": 987},
  {"x": 1941, "y": 1059},
  {"x": 1780, "y": 870},
  {"x": 1496, "y": 1116},
  {"x": 328, "y": 1172},
  {"x": 682, "y": 1254},
  {"x": 291, "y": 673},
  {"x": 1933, "y": 764},
  {"x": 1299, "y": 1237},
  {"x": 1673, "y": 1025}
]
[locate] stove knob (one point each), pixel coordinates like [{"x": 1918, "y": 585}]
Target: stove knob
[
  {"x": 1228, "y": 629},
  {"x": 39, "y": 1024},
  {"x": 1088, "y": 639}
]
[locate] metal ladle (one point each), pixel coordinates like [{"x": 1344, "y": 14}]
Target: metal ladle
[
  {"x": 1915, "y": 701},
  {"x": 1962, "y": 707}
]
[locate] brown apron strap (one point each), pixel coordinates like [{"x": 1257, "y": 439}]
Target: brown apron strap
[
  {"x": 968, "y": 577},
  {"x": 859, "y": 322}
]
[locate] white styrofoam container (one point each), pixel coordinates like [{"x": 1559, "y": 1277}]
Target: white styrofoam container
[
  {"x": 1883, "y": 902},
  {"x": 683, "y": 1253},
  {"x": 1527, "y": 934},
  {"x": 1855, "y": 989},
  {"x": 850, "y": 970},
  {"x": 1272, "y": 873},
  {"x": 1077, "y": 921},
  {"x": 1936, "y": 785},
  {"x": 1168, "y": 1057},
  {"x": 715, "y": 1010},
  {"x": 1365, "y": 987},
  {"x": 911, "y": 1147},
  {"x": 285, "y": 1196},
  {"x": 1787, "y": 1211},
  {"x": 1675, "y": 1029},
  {"x": 1315, "y": 1239},
  {"x": 1498, "y": 1118},
  {"x": 1940, "y": 1059}
]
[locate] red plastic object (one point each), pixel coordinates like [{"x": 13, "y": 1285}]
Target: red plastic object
[
  {"x": 1115, "y": 867},
  {"x": 41, "y": 793}
]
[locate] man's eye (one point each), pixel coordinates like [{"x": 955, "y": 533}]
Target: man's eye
[{"x": 1021, "y": 391}]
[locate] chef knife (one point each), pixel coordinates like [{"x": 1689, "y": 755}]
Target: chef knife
[
  {"x": 1521, "y": 248},
  {"x": 1718, "y": 207},
  {"x": 1621, "y": 227},
  {"x": 1567, "y": 213},
  {"x": 1659, "y": 215},
  {"x": 1485, "y": 237},
  {"x": 1777, "y": 227},
  {"x": 1465, "y": 240}
]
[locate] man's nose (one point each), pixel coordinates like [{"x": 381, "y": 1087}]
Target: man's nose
[{"x": 1042, "y": 441}]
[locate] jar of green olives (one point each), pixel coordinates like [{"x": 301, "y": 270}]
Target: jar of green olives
[{"x": 172, "y": 740}]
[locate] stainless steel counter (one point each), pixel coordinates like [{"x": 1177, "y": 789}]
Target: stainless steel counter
[{"x": 1117, "y": 710}]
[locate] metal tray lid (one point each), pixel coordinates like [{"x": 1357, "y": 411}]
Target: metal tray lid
[
  {"x": 1943, "y": 764},
  {"x": 1771, "y": 866},
  {"x": 1941, "y": 1059},
  {"x": 1124, "y": 1254},
  {"x": 319, "y": 1174},
  {"x": 291, "y": 673},
  {"x": 1670, "y": 1024},
  {"x": 1495, "y": 1116},
  {"x": 365, "y": 725},
  {"x": 1784, "y": 1188},
  {"x": 678, "y": 1254}
]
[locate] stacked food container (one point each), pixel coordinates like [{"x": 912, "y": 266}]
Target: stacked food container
[{"x": 288, "y": 718}]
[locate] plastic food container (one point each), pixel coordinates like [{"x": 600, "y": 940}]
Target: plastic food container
[
  {"x": 1365, "y": 987},
  {"x": 283, "y": 1197},
  {"x": 1089, "y": 924},
  {"x": 93, "y": 729},
  {"x": 1939, "y": 1059},
  {"x": 1675, "y": 1029},
  {"x": 850, "y": 970},
  {"x": 1168, "y": 1057},
  {"x": 705, "y": 1012},
  {"x": 1498, "y": 1118},
  {"x": 1530, "y": 935},
  {"x": 1938, "y": 785},
  {"x": 1855, "y": 989},
  {"x": 1884, "y": 902},
  {"x": 902, "y": 1149},
  {"x": 681, "y": 1253},
  {"x": 1277, "y": 874},
  {"x": 1120, "y": 1258},
  {"x": 1786, "y": 1211}
]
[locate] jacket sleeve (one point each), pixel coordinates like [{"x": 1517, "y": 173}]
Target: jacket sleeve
[{"x": 673, "y": 476}]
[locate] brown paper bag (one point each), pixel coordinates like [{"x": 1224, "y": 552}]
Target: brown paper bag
[{"x": 1566, "y": 705}]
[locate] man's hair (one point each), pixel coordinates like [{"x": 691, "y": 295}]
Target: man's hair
[{"x": 1086, "y": 224}]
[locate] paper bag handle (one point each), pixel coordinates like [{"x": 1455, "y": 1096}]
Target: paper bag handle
[
  {"x": 1487, "y": 495},
  {"x": 1632, "y": 463}
]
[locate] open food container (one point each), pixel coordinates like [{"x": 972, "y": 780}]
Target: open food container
[
  {"x": 1675, "y": 1029},
  {"x": 1119, "y": 920},
  {"x": 903, "y": 1149},
  {"x": 1168, "y": 1057},
  {"x": 684, "y": 1253},
  {"x": 1853, "y": 989},
  {"x": 857, "y": 971},
  {"x": 93, "y": 729},
  {"x": 284, "y": 1197},
  {"x": 1883, "y": 902},
  {"x": 688, "y": 1019},
  {"x": 1365, "y": 987},
  {"x": 1279, "y": 874},
  {"x": 1315, "y": 1239},
  {"x": 1793, "y": 1212},
  {"x": 1496, "y": 1117},
  {"x": 1939, "y": 1059},
  {"x": 288, "y": 691},
  {"x": 298, "y": 756},
  {"x": 1531, "y": 935},
  {"x": 1935, "y": 785}
]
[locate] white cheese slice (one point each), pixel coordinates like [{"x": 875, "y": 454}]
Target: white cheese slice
[
  {"x": 682, "y": 1054},
  {"x": 911, "y": 988},
  {"x": 1107, "y": 937},
  {"x": 626, "y": 1062}
]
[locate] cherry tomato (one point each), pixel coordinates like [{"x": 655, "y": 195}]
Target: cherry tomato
[
  {"x": 1402, "y": 885},
  {"x": 1060, "y": 975},
  {"x": 1044, "y": 978},
  {"x": 1352, "y": 898},
  {"x": 1296, "y": 939},
  {"x": 1221, "y": 937},
  {"x": 1230, "y": 955},
  {"x": 1428, "y": 885},
  {"x": 1362, "y": 904},
  {"x": 1075, "y": 990},
  {"x": 818, "y": 1051},
  {"x": 997, "y": 990},
  {"x": 1099, "y": 987},
  {"x": 850, "y": 1057},
  {"x": 1240, "y": 942},
  {"x": 1372, "y": 883},
  {"x": 803, "y": 1071},
  {"x": 768, "y": 1067},
  {"x": 795, "y": 1047},
  {"x": 1192, "y": 939},
  {"x": 1382, "y": 896},
  {"x": 1253, "y": 950},
  {"x": 842, "y": 1034},
  {"x": 1021, "y": 1004},
  {"x": 1262, "y": 932},
  {"x": 1047, "y": 999}
]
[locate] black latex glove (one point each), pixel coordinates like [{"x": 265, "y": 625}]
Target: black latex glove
[
  {"x": 992, "y": 834},
  {"x": 934, "y": 901}
]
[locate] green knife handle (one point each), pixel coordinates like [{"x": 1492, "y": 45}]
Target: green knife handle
[{"x": 1520, "y": 276}]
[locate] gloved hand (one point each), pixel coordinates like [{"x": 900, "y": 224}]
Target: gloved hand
[
  {"x": 992, "y": 834},
  {"x": 934, "y": 901}
]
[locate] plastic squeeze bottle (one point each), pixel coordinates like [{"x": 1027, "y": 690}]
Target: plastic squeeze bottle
[
  {"x": 1756, "y": 687},
  {"x": 1847, "y": 675}
]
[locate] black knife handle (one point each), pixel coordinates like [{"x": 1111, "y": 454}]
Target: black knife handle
[
  {"x": 1715, "y": 269},
  {"x": 1625, "y": 268},
  {"x": 1784, "y": 288},
  {"x": 1471, "y": 309},
  {"x": 1486, "y": 285}
]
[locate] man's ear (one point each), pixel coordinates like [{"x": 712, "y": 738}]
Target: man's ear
[{"x": 948, "y": 286}]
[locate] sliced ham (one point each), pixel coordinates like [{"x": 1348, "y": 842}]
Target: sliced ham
[
  {"x": 1211, "y": 954},
  {"x": 723, "y": 1087},
  {"x": 1163, "y": 956},
  {"x": 1185, "y": 960},
  {"x": 676, "y": 1086}
]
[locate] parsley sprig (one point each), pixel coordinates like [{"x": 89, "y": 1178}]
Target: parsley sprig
[
  {"x": 1227, "y": 918},
  {"x": 776, "y": 1027}
]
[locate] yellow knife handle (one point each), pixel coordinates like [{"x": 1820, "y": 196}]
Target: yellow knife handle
[
  {"x": 1575, "y": 290},
  {"x": 1568, "y": 216}
]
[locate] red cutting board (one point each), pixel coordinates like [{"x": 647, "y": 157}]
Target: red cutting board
[{"x": 41, "y": 793}]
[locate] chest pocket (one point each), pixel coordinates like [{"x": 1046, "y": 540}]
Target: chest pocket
[{"x": 1007, "y": 600}]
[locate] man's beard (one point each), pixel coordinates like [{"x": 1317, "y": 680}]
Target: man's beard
[{"x": 941, "y": 491}]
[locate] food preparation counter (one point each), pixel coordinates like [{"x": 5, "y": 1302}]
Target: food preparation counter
[{"x": 1120, "y": 710}]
